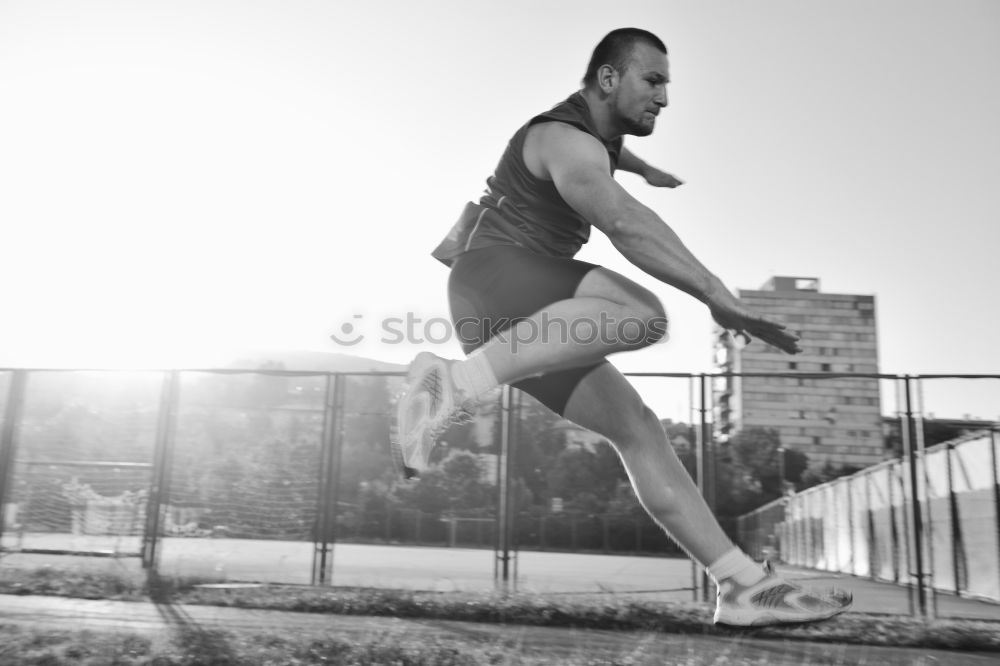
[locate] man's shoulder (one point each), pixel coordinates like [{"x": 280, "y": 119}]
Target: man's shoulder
[
  {"x": 556, "y": 145},
  {"x": 562, "y": 136},
  {"x": 571, "y": 107},
  {"x": 572, "y": 121},
  {"x": 571, "y": 111}
]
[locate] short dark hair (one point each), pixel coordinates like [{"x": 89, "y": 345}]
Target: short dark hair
[{"x": 616, "y": 50}]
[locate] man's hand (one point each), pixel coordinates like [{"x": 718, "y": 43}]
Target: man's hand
[
  {"x": 658, "y": 178},
  {"x": 731, "y": 315}
]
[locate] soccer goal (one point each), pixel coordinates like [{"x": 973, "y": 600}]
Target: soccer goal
[{"x": 77, "y": 508}]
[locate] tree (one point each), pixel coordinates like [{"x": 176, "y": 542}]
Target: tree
[
  {"x": 828, "y": 472},
  {"x": 587, "y": 480},
  {"x": 624, "y": 501},
  {"x": 454, "y": 485},
  {"x": 538, "y": 444},
  {"x": 365, "y": 454},
  {"x": 757, "y": 450},
  {"x": 934, "y": 432},
  {"x": 750, "y": 474}
]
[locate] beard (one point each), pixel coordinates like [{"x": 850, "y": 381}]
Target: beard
[{"x": 639, "y": 127}]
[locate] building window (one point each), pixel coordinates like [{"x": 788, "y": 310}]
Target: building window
[
  {"x": 817, "y": 440},
  {"x": 793, "y": 365},
  {"x": 825, "y": 367}
]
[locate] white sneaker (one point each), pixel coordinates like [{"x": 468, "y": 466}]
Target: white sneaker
[
  {"x": 774, "y": 600},
  {"x": 429, "y": 404}
]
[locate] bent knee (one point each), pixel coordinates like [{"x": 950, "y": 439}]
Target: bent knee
[
  {"x": 645, "y": 325},
  {"x": 641, "y": 319}
]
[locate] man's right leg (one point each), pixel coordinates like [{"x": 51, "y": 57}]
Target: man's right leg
[
  {"x": 525, "y": 315},
  {"x": 607, "y": 313}
]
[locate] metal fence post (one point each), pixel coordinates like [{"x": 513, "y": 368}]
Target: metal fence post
[
  {"x": 162, "y": 461},
  {"x": 329, "y": 481},
  {"x": 906, "y": 540},
  {"x": 340, "y": 397},
  {"x": 905, "y": 436},
  {"x": 713, "y": 450},
  {"x": 319, "y": 542},
  {"x": 501, "y": 562},
  {"x": 817, "y": 505},
  {"x": 870, "y": 528},
  {"x": 831, "y": 551},
  {"x": 957, "y": 547},
  {"x": 794, "y": 511},
  {"x": 803, "y": 556},
  {"x": 850, "y": 523},
  {"x": 695, "y": 585},
  {"x": 786, "y": 543},
  {"x": 8, "y": 438},
  {"x": 996, "y": 494},
  {"x": 930, "y": 586},
  {"x": 893, "y": 532},
  {"x": 918, "y": 526},
  {"x": 703, "y": 473},
  {"x": 510, "y": 516},
  {"x": 806, "y": 554}
]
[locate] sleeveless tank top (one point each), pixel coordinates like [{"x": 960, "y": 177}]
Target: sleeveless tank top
[{"x": 521, "y": 209}]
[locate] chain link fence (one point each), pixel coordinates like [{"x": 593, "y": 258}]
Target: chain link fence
[{"x": 196, "y": 473}]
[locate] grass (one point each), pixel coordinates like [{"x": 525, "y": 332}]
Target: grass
[
  {"x": 593, "y": 612},
  {"x": 75, "y": 582},
  {"x": 248, "y": 647},
  {"x": 31, "y": 647},
  {"x": 600, "y": 613}
]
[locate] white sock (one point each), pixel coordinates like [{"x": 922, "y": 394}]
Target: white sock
[
  {"x": 736, "y": 565},
  {"x": 474, "y": 376}
]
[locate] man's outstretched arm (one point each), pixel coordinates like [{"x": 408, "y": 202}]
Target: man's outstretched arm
[
  {"x": 578, "y": 166},
  {"x": 629, "y": 161}
]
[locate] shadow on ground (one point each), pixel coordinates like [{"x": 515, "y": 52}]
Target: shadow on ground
[{"x": 205, "y": 646}]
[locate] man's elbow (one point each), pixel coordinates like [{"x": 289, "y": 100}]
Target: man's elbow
[{"x": 624, "y": 230}]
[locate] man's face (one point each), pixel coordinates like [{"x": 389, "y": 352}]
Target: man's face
[{"x": 642, "y": 90}]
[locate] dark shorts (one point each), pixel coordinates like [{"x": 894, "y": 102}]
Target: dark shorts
[{"x": 493, "y": 288}]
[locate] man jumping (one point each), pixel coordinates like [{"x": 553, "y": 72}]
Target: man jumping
[{"x": 513, "y": 278}]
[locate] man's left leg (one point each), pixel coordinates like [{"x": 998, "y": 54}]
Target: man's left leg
[{"x": 604, "y": 402}]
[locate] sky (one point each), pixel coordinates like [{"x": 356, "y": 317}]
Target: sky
[{"x": 181, "y": 178}]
